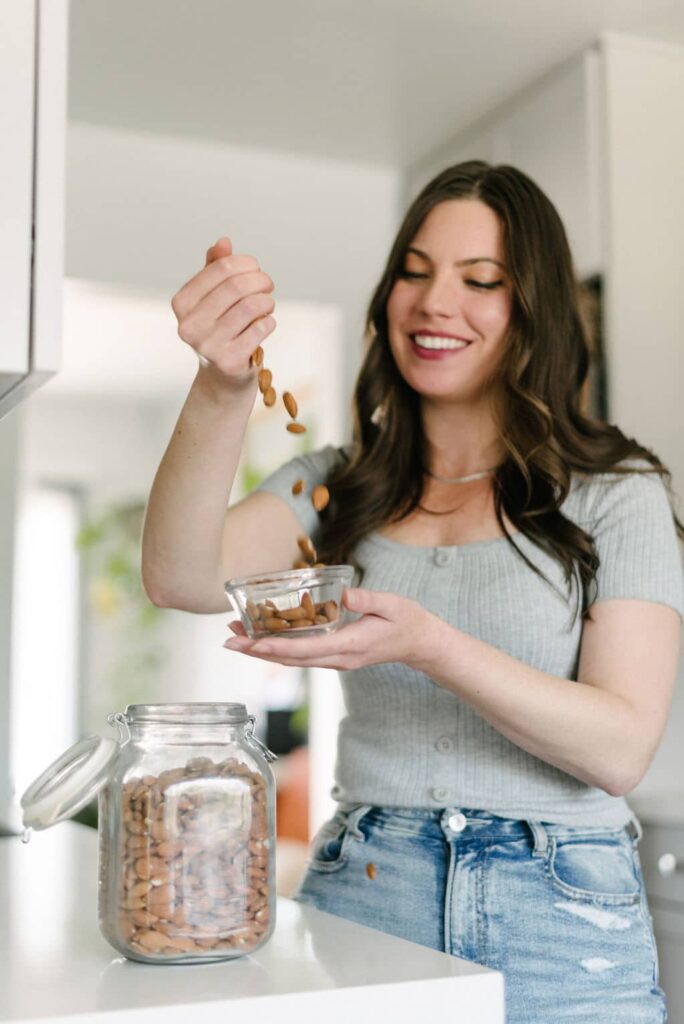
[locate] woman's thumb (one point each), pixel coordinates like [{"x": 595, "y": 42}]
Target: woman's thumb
[
  {"x": 365, "y": 602},
  {"x": 224, "y": 247}
]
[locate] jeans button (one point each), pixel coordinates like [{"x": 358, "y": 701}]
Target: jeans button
[{"x": 457, "y": 822}]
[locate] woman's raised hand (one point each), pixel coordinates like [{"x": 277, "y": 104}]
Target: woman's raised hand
[{"x": 224, "y": 314}]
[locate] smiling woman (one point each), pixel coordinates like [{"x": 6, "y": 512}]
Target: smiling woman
[{"x": 509, "y": 667}]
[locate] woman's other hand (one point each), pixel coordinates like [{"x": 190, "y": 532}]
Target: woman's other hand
[
  {"x": 224, "y": 314},
  {"x": 391, "y": 629}
]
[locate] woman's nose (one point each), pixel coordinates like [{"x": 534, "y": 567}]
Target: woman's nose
[{"x": 440, "y": 298}]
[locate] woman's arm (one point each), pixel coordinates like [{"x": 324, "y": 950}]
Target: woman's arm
[
  {"x": 191, "y": 543},
  {"x": 603, "y": 729}
]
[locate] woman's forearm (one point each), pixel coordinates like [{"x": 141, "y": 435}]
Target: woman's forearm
[
  {"x": 588, "y": 732},
  {"x": 181, "y": 556}
]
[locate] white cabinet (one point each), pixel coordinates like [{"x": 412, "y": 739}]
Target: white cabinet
[{"x": 33, "y": 49}]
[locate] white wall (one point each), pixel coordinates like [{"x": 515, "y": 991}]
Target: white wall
[
  {"x": 550, "y": 131},
  {"x": 644, "y": 90},
  {"x": 645, "y": 296},
  {"x": 143, "y": 209}
]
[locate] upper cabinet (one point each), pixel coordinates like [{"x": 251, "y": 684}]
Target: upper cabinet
[{"x": 33, "y": 72}]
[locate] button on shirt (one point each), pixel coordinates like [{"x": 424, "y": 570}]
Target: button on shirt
[
  {"x": 442, "y": 557},
  {"x": 444, "y": 744}
]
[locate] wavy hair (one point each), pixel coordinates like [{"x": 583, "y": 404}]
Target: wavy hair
[{"x": 545, "y": 432}]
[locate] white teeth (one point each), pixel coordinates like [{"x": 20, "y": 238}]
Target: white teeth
[{"x": 429, "y": 341}]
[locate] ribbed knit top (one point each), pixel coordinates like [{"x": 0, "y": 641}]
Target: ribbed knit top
[{"x": 407, "y": 742}]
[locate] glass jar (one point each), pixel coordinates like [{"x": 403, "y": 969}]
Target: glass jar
[{"x": 187, "y": 835}]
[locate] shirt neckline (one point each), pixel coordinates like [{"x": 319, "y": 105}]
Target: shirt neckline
[{"x": 427, "y": 549}]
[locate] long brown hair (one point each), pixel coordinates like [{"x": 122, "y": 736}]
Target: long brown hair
[{"x": 546, "y": 434}]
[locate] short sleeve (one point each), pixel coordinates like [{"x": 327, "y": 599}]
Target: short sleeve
[
  {"x": 634, "y": 532},
  {"x": 313, "y": 468}
]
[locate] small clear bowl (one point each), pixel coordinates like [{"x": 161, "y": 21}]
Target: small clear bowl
[{"x": 295, "y": 602}]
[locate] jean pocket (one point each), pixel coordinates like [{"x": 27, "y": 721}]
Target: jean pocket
[
  {"x": 597, "y": 869},
  {"x": 332, "y": 843}
]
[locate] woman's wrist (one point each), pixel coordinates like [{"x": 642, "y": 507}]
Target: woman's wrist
[
  {"x": 221, "y": 393},
  {"x": 433, "y": 637}
]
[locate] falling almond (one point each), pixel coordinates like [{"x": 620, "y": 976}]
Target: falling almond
[
  {"x": 258, "y": 356},
  {"x": 265, "y": 378},
  {"x": 306, "y": 547},
  {"x": 296, "y": 428},
  {"x": 290, "y": 404},
  {"x": 298, "y": 487},
  {"x": 371, "y": 871},
  {"x": 269, "y": 396},
  {"x": 320, "y": 496}
]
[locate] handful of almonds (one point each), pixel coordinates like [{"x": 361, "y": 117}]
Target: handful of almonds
[
  {"x": 267, "y": 617},
  {"x": 191, "y": 877}
]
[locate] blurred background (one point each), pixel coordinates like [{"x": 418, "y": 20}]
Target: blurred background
[{"x": 301, "y": 129}]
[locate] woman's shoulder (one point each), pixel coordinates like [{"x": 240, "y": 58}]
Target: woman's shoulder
[
  {"x": 632, "y": 489},
  {"x": 321, "y": 462},
  {"x": 313, "y": 468}
]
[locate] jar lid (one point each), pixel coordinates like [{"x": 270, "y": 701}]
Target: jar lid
[{"x": 69, "y": 783}]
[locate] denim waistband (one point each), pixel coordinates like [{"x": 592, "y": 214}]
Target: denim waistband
[{"x": 469, "y": 824}]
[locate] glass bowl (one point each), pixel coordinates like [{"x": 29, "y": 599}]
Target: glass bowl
[{"x": 295, "y": 602}]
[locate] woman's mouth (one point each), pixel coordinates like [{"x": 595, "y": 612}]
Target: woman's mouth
[{"x": 437, "y": 346}]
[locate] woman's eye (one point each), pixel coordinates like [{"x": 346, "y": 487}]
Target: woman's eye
[{"x": 488, "y": 285}]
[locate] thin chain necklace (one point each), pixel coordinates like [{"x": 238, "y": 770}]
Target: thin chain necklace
[
  {"x": 462, "y": 479},
  {"x": 454, "y": 480}
]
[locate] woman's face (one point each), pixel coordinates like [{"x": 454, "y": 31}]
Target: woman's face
[{"x": 449, "y": 310}]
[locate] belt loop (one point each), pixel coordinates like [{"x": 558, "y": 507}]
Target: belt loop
[
  {"x": 634, "y": 830},
  {"x": 356, "y": 813},
  {"x": 541, "y": 838}
]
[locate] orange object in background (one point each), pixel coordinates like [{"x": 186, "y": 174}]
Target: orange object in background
[{"x": 292, "y": 795}]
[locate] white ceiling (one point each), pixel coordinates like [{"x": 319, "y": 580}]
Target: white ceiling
[{"x": 382, "y": 81}]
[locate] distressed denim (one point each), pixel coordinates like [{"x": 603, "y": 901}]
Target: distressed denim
[{"x": 560, "y": 911}]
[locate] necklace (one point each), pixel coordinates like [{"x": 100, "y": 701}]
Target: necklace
[{"x": 462, "y": 479}]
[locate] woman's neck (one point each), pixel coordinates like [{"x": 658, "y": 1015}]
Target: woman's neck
[{"x": 461, "y": 439}]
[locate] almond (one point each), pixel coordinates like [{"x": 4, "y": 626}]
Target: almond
[
  {"x": 320, "y": 496},
  {"x": 296, "y": 428},
  {"x": 270, "y": 397},
  {"x": 258, "y": 356},
  {"x": 265, "y": 378},
  {"x": 306, "y": 547},
  {"x": 276, "y": 625},
  {"x": 298, "y": 487},
  {"x": 290, "y": 404}
]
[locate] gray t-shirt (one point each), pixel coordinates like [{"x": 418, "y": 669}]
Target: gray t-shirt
[{"x": 406, "y": 742}]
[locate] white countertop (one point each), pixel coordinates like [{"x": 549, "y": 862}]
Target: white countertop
[{"x": 56, "y": 967}]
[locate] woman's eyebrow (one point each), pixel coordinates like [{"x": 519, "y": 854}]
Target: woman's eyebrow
[{"x": 461, "y": 263}]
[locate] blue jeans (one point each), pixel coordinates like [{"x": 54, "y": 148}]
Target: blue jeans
[{"x": 560, "y": 911}]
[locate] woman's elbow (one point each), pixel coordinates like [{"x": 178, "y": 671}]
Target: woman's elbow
[{"x": 625, "y": 778}]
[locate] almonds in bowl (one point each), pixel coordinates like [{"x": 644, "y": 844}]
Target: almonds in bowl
[{"x": 295, "y": 602}]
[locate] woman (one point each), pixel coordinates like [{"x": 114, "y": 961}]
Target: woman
[{"x": 509, "y": 673}]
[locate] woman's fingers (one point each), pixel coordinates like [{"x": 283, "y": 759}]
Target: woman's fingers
[
  {"x": 207, "y": 279},
  {"x": 228, "y": 293}
]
